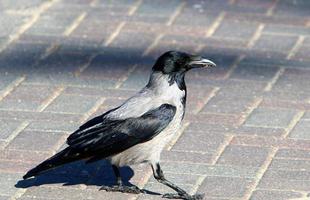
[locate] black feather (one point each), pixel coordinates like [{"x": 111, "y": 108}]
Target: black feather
[{"x": 102, "y": 137}]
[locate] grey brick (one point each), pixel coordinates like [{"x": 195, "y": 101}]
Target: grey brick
[
  {"x": 284, "y": 184},
  {"x": 225, "y": 186},
  {"x": 289, "y": 29},
  {"x": 183, "y": 156},
  {"x": 236, "y": 30},
  {"x": 7, "y": 127},
  {"x": 7, "y": 182},
  {"x": 293, "y": 154},
  {"x": 254, "y": 72},
  {"x": 259, "y": 131},
  {"x": 26, "y": 97},
  {"x": 243, "y": 156},
  {"x": 287, "y": 174},
  {"x": 268, "y": 117},
  {"x": 199, "y": 142},
  {"x": 72, "y": 104},
  {"x": 289, "y": 164},
  {"x": 44, "y": 141},
  {"x": 274, "y": 195},
  {"x": 301, "y": 130},
  {"x": 210, "y": 170},
  {"x": 275, "y": 43}
]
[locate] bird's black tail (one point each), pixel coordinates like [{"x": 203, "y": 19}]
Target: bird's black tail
[{"x": 63, "y": 157}]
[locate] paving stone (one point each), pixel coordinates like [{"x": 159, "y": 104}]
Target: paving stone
[
  {"x": 252, "y": 72},
  {"x": 289, "y": 29},
  {"x": 7, "y": 127},
  {"x": 287, "y": 174},
  {"x": 26, "y": 97},
  {"x": 268, "y": 117},
  {"x": 243, "y": 156},
  {"x": 72, "y": 104},
  {"x": 293, "y": 154},
  {"x": 259, "y": 131},
  {"x": 284, "y": 184},
  {"x": 274, "y": 195},
  {"x": 296, "y": 8},
  {"x": 300, "y": 131},
  {"x": 45, "y": 141},
  {"x": 224, "y": 186},
  {"x": 67, "y": 193},
  {"x": 271, "y": 142},
  {"x": 7, "y": 182},
  {"x": 183, "y": 156},
  {"x": 24, "y": 155},
  {"x": 209, "y": 170},
  {"x": 289, "y": 164},
  {"x": 236, "y": 30},
  {"x": 275, "y": 43},
  {"x": 199, "y": 142},
  {"x": 53, "y": 126}
]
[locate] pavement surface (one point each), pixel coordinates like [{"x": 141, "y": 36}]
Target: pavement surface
[{"x": 247, "y": 128}]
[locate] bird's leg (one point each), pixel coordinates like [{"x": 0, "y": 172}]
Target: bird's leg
[
  {"x": 120, "y": 187},
  {"x": 181, "y": 194}
]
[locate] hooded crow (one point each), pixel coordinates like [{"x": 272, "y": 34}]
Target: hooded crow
[{"x": 138, "y": 130}]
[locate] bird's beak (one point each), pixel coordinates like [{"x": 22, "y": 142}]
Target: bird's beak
[{"x": 202, "y": 62}]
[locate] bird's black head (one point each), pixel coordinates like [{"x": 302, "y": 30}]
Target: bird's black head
[{"x": 179, "y": 62}]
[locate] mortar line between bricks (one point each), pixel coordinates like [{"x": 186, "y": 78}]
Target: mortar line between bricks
[
  {"x": 11, "y": 87},
  {"x": 256, "y": 35},
  {"x": 271, "y": 83},
  {"x": 80, "y": 70},
  {"x": 43, "y": 7},
  {"x": 114, "y": 34},
  {"x": 272, "y": 7},
  {"x": 74, "y": 24},
  {"x": 221, "y": 148},
  {"x": 93, "y": 109},
  {"x": 20, "y": 128},
  {"x": 234, "y": 66},
  {"x": 126, "y": 76},
  {"x": 260, "y": 173},
  {"x": 257, "y": 101},
  {"x": 18, "y": 194},
  {"x": 134, "y": 8},
  {"x": 176, "y": 13},
  {"x": 198, "y": 184},
  {"x": 293, "y": 123},
  {"x": 48, "y": 51},
  {"x": 51, "y": 98},
  {"x": 215, "y": 24},
  {"x": 296, "y": 47},
  {"x": 153, "y": 45},
  {"x": 143, "y": 182},
  {"x": 213, "y": 92},
  {"x": 177, "y": 136}
]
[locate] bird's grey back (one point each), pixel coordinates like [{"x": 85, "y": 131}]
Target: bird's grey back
[{"x": 156, "y": 93}]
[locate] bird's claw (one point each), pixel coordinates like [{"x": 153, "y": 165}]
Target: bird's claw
[
  {"x": 121, "y": 188},
  {"x": 184, "y": 196}
]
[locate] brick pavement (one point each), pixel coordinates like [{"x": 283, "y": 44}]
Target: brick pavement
[{"x": 64, "y": 61}]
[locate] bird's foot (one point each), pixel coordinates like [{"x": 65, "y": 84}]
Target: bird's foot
[
  {"x": 184, "y": 196},
  {"x": 122, "y": 188}
]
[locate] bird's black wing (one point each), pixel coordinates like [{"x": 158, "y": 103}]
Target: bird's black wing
[{"x": 113, "y": 136}]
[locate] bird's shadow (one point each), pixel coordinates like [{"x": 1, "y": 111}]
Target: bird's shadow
[{"x": 94, "y": 174}]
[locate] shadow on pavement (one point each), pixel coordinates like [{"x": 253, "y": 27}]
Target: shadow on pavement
[{"x": 95, "y": 174}]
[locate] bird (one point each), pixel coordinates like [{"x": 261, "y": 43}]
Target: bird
[{"x": 138, "y": 130}]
